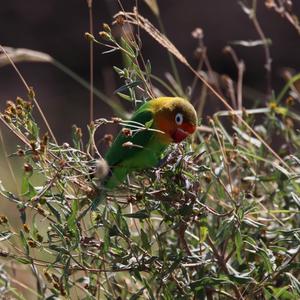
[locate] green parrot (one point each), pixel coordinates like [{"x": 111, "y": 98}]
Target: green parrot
[{"x": 166, "y": 120}]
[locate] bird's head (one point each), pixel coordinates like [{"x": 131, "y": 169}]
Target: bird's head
[{"x": 176, "y": 117}]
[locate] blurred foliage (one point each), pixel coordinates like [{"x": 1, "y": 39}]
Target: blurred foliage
[{"x": 217, "y": 219}]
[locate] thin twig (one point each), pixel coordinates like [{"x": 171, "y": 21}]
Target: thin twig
[
  {"x": 268, "y": 59},
  {"x": 241, "y": 69},
  {"x": 91, "y": 43}
]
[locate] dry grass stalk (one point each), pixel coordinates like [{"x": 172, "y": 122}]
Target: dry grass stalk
[{"x": 30, "y": 92}]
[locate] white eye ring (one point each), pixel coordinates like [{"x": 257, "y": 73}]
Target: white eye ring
[{"x": 179, "y": 118}]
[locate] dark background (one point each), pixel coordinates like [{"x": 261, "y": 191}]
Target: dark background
[{"x": 57, "y": 27}]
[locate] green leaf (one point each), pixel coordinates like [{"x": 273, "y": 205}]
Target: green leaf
[
  {"x": 106, "y": 242},
  {"x": 238, "y": 245},
  {"x": 137, "y": 295},
  {"x": 5, "y": 235},
  {"x": 281, "y": 293},
  {"x": 141, "y": 214},
  {"x": 149, "y": 289},
  {"x": 55, "y": 212},
  {"x": 66, "y": 273},
  {"x": 34, "y": 129},
  {"x": 290, "y": 266},
  {"x": 167, "y": 294},
  {"x": 22, "y": 211},
  {"x": 296, "y": 198},
  {"x": 128, "y": 86},
  {"x": 240, "y": 279},
  {"x": 149, "y": 123},
  {"x": 76, "y": 137},
  {"x": 281, "y": 110},
  {"x": 129, "y": 55},
  {"x": 34, "y": 230},
  {"x": 124, "y": 96},
  {"x": 27, "y": 188},
  {"x": 294, "y": 282},
  {"x": 287, "y": 87},
  {"x": 59, "y": 230},
  {"x": 203, "y": 230},
  {"x": 121, "y": 222},
  {"x": 9, "y": 196},
  {"x": 252, "y": 223},
  {"x": 266, "y": 260},
  {"x": 71, "y": 220},
  {"x": 72, "y": 224},
  {"x": 145, "y": 241},
  {"x": 58, "y": 248},
  {"x": 119, "y": 71},
  {"x": 24, "y": 242},
  {"x": 225, "y": 230},
  {"x": 205, "y": 281},
  {"x": 24, "y": 260}
]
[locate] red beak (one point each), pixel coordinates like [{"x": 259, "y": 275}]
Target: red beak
[
  {"x": 181, "y": 133},
  {"x": 190, "y": 128}
]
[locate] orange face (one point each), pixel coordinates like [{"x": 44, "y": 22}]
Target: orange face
[{"x": 176, "y": 125}]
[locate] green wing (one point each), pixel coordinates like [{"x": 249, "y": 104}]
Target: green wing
[
  {"x": 144, "y": 152},
  {"x": 122, "y": 160},
  {"x": 117, "y": 153}
]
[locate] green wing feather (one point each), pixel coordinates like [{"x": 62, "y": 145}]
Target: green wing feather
[
  {"x": 117, "y": 153},
  {"x": 121, "y": 159},
  {"x": 144, "y": 153}
]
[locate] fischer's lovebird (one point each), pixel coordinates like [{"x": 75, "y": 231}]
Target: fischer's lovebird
[{"x": 166, "y": 120}]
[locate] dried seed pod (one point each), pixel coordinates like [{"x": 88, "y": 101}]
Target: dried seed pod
[
  {"x": 120, "y": 20},
  {"x": 127, "y": 132},
  {"x": 32, "y": 243},
  {"x": 89, "y": 36},
  {"x": 48, "y": 276},
  {"x": 3, "y": 220},
  {"x": 197, "y": 33},
  {"x": 31, "y": 93},
  {"x": 235, "y": 140},
  {"x": 28, "y": 168},
  {"x": 26, "y": 228},
  {"x": 106, "y": 28},
  {"x": 104, "y": 35},
  {"x": 39, "y": 237}
]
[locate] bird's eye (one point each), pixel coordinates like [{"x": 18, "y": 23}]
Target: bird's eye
[{"x": 179, "y": 118}]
